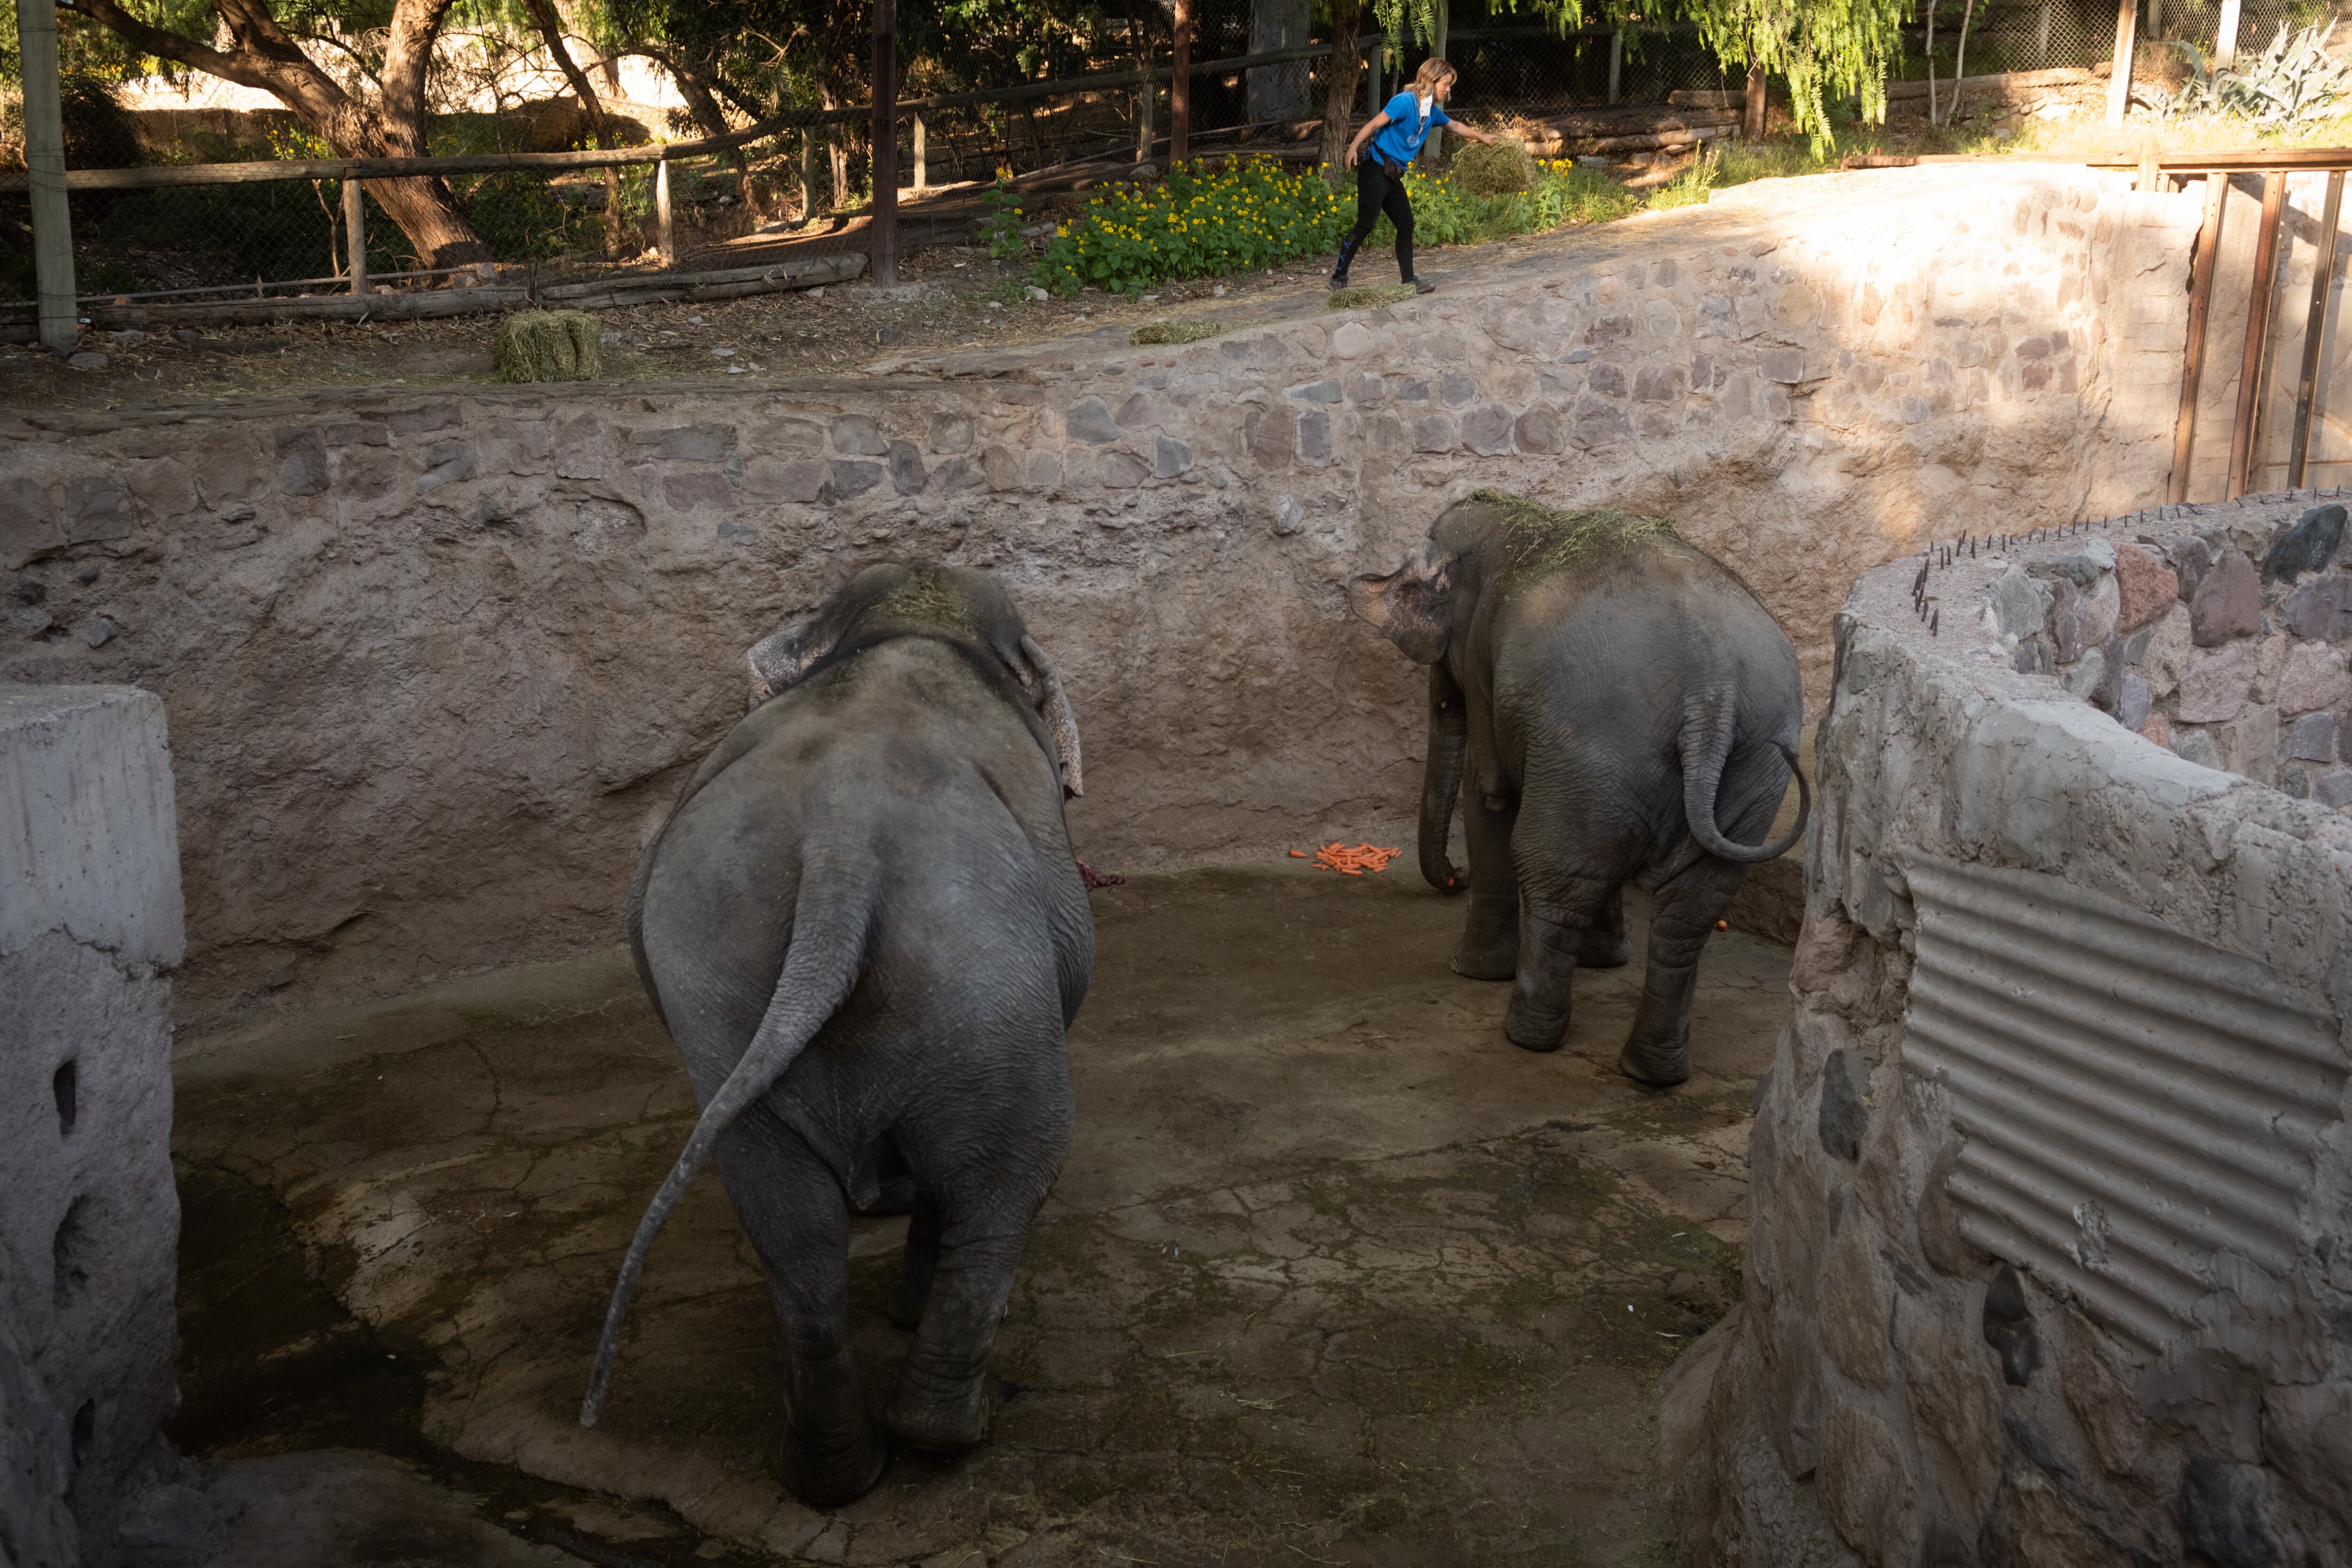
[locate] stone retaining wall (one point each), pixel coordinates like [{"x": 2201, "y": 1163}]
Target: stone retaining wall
[
  {"x": 435, "y": 659},
  {"x": 2050, "y": 1184}
]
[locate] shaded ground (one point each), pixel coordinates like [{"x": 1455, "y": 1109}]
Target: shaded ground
[{"x": 1333, "y": 1273}]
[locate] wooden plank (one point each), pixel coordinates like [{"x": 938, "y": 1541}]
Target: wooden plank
[
  {"x": 2200, "y": 307},
  {"x": 2258, "y": 321},
  {"x": 2119, "y": 75},
  {"x": 422, "y": 305},
  {"x": 2314, "y": 330},
  {"x": 1179, "y": 88},
  {"x": 355, "y": 235}
]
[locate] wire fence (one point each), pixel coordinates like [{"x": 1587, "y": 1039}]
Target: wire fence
[{"x": 806, "y": 185}]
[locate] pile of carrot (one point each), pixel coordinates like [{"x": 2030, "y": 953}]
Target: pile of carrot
[{"x": 1364, "y": 857}]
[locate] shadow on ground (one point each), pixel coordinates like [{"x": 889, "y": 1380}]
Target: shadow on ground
[{"x": 1334, "y": 1273}]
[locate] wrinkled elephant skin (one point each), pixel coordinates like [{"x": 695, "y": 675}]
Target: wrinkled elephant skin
[
  {"x": 864, "y": 931},
  {"x": 1624, "y": 709}
]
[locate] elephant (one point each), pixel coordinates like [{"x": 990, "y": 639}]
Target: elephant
[
  {"x": 1626, "y": 708},
  {"x": 863, "y": 929}
]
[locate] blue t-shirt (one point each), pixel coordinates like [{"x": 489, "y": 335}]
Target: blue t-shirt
[{"x": 1402, "y": 137}]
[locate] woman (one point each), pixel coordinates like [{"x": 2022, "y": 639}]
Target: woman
[{"x": 1396, "y": 134}]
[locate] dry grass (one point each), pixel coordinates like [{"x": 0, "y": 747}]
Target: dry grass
[
  {"x": 549, "y": 345},
  {"x": 1173, "y": 332},
  {"x": 1367, "y": 296},
  {"x": 1499, "y": 168}
]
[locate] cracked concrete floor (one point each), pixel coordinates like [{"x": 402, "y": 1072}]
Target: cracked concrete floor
[{"x": 1334, "y": 1273}]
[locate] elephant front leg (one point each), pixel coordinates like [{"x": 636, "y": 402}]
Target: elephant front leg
[
  {"x": 1682, "y": 917},
  {"x": 1490, "y": 937}
]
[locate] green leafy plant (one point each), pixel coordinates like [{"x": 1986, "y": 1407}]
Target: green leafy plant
[
  {"x": 1690, "y": 187},
  {"x": 1001, "y": 229},
  {"x": 1195, "y": 223},
  {"x": 2293, "y": 79}
]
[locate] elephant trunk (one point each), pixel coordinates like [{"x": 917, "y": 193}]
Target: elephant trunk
[{"x": 1441, "y": 779}]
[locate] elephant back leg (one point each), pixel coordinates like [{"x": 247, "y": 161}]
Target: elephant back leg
[
  {"x": 1572, "y": 860},
  {"x": 984, "y": 1155},
  {"x": 1683, "y": 912},
  {"x": 790, "y": 1204}
]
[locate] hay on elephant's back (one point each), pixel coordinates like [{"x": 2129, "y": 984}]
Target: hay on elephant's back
[
  {"x": 549, "y": 345},
  {"x": 1494, "y": 169}
]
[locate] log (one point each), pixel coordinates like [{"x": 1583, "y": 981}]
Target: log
[
  {"x": 695, "y": 288},
  {"x": 1658, "y": 142},
  {"x": 422, "y": 305},
  {"x": 1999, "y": 82}
]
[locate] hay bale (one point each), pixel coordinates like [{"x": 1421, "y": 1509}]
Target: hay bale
[
  {"x": 1494, "y": 169},
  {"x": 1367, "y": 296},
  {"x": 1174, "y": 332},
  {"x": 549, "y": 345}
]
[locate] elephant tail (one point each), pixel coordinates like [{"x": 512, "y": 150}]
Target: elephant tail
[
  {"x": 821, "y": 966},
  {"x": 1709, "y": 723}
]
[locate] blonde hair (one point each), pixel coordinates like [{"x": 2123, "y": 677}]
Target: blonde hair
[{"x": 1433, "y": 71}]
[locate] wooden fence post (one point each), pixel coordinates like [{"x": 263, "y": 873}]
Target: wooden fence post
[
  {"x": 1435, "y": 146},
  {"x": 885, "y": 144},
  {"x": 2245, "y": 456},
  {"x": 1179, "y": 88},
  {"x": 922, "y": 156},
  {"x": 44, "y": 166},
  {"x": 663, "y": 239},
  {"x": 2119, "y": 78},
  {"x": 355, "y": 235},
  {"x": 1616, "y": 61},
  {"x": 2225, "y": 36}
]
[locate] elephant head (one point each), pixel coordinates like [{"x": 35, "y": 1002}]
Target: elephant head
[
  {"x": 1414, "y": 603},
  {"x": 954, "y": 603}
]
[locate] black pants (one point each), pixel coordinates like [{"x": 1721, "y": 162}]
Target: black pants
[{"x": 1377, "y": 194}]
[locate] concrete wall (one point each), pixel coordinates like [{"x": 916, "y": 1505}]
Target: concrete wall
[
  {"x": 89, "y": 921},
  {"x": 2050, "y": 1180},
  {"x": 435, "y": 660}
]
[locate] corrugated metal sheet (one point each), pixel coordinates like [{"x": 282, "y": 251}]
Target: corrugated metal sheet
[{"x": 2136, "y": 1102}]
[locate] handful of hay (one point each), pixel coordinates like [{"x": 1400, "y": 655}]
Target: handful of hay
[
  {"x": 1173, "y": 332},
  {"x": 1495, "y": 168},
  {"x": 1367, "y": 296},
  {"x": 549, "y": 345}
]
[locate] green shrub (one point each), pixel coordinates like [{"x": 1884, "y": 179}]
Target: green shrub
[{"x": 1196, "y": 223}]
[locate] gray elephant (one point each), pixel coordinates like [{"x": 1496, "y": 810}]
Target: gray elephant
[
  {"x": 1627, "y": 710},
  {"x": 863, "y": 927}
]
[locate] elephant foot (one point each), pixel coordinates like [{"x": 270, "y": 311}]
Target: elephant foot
[
  {"x": 1534, "y": 1028},
  {"x": 835, "y": 1477},
  {"x": 1496, "y": 960},
  {"x": 1658, "y": 1065},
  {"x": 937, "y": 1425},
  {"x": 1603, "y": 950}
]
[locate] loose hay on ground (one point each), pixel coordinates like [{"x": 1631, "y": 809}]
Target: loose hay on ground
[
  {"x": 549, "y": 345},
  {"x": 1173, "y": 332},
  {"x": 1367, "y": 296}
]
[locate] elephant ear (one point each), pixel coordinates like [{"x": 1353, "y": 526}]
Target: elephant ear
[
  {"x": 784, "y": 655},
  {"x": 1045, "y": 683},
  {"x": 1412, "y": 604}
]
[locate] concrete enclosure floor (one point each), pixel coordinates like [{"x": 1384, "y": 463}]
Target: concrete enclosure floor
[{"x": 1333, "y": 1273}]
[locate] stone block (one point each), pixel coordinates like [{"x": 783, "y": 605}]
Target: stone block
[
  {"x": 2132, "y": 701},
  {"x": 908, "y": 475},
  {"x": 1367, "y": 387},
  {"x": 852, "y": 478},
  {"x": 2321, "y": 608},
  {"x": 1538, "y": 431},
  {"x": 1487, "y": 430},
  {"x": 685, "y": 491},
  {"x": 1843, "y": 1119},
  {"x": 2217, "y": 686},
  {"x": 1433, "y": 433},
  {"x": 1855, "y": 1296},
  {"x": 1608, "y": 380},
  {"x": 1271, "y": 434},
  {"x": 1785, "y": 366},
  {"x": 1170, "y": 458},
  {"x": 2333, "y": 787},
  {"x": 958, "y": 474},
  {"x": 1324, "y": 390},
  {"x": 2224, "y": 1511},
  {"x": 2146, "y": 586},
  {"x": 2196, "y": 746},
  {"x": 89, "y": 1232},
  {"x": 856, "y": 436},
  {"x": 798, "y": 479},
  {"x": 2068, "y": 617},
  {"x": 2021, "y": 605},
  {"x": 580, "y": 449},
  {"x": 301, "y": 463},
  {"x": 1599, "y": 424},
  {"x": 2249, "y": 744},
  {"x": 29, "y": 525},
  {"x": 446, "y": 463},
  {"x": 1315, "y": 438},
  {"x": 2313, "y": 677},
  {"x": 1353, "y": 341},
  {"x": 1658, "y": 384},
  {"x": 2168, "y": 653},
  {"x": 2308, "y": 546},
  {"x": 1865, "y": 1488},
  {"x": 1123, "y": 470},
  {"x": 951, "y": 434},
  {"x": 2191, "y": 559},
  {"x": 2228, "y": 601},
  {"x": 685, "y": 443}
]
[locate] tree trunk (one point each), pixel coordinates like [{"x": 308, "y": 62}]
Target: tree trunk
[
  {"x": 1347, "y": 65},
  {"x": 260, "y": 55},
  {"x": 1752, "y": 112},
  {"x": 551, "y": 26}
]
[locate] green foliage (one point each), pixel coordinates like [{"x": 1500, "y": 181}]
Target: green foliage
[
  {"x": 1445, "y": 214},
  {"x": 1002, "y": 227},
  {"x": 1690, "y": 187},
  {"x": 2293, "y": 79},
  {"x": 1195, "y": 223},
  {"x": 1824, "y": 48}
]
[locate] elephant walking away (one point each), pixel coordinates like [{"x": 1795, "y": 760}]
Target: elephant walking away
[
  {"x": 1626, "y": 709},
  {"x": 863, "y": 926}
]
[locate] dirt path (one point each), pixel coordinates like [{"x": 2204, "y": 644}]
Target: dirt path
[{"x": 1333, "y": 1272}]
